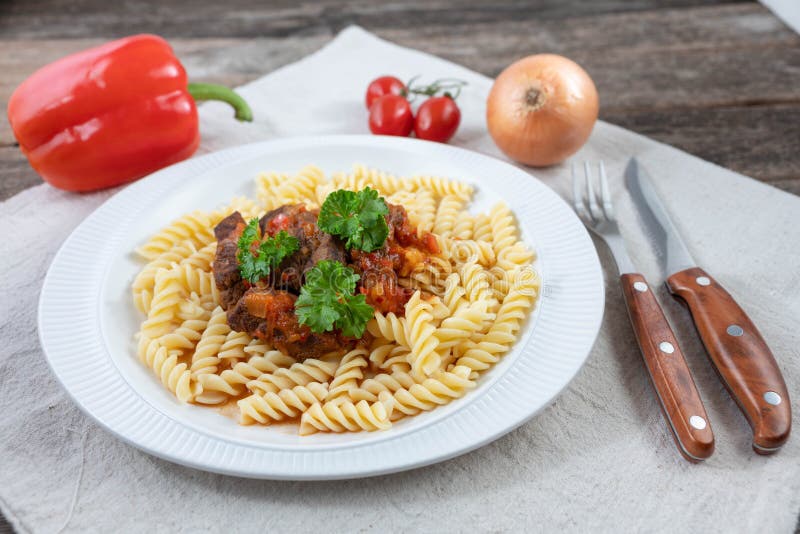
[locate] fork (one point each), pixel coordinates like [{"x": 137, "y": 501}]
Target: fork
[{"x": 677, "y": 394}]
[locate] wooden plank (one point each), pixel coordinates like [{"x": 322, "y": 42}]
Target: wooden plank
[
  {"x": 790, "y": 186},
  {"x": 488, "y": 47},
  {"x": 694, "y": 58},
  {"x": 760, "y": 142},
  {"x": 702, "y": 57},
  {"x": 15, "y": 173},
  {"x": 246, "y": 18}
]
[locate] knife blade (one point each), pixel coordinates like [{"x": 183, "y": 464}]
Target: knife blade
[{"x": 733, "y": 343}]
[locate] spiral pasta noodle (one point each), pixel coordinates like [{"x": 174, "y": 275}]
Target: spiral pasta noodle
[
  {"x": 461, "y": 325},
  {"x": 285, "y": 404},
  {"x": 435, "y": 391},
  {"x": 447, "y": 214},
  {"x": 233, "y": 382},
  {"x": 461, "y": 251},
  {"x": 163, "y": 308},
  {"x": 174, "y": 374},
  {"x": 389, "y": 327},
  {"x": 423, "y": 358},
  {"x": 422, "y": 210},
  {"x": 299, "y": 374},
  {"x": 389, "y": 356},
  {"x": 383, "y": 182},
  {"x": 383, "y": 382},
  {"x": 429, "y": 276},
  {"x": 190, "y": 280},
  {"x": 206, "y": 355},
  {"x": 188, "y": 334},
  {"x": 348, "y": 416},
  {"x": 482, "y": 228},
  {"x": 454, "y": 293},
  {"x": 201, "y": 259},
  {"x": 482, "y": 354},
  {"x": 246, "y": 206},
  {"x": 302, "y": 187},
  {"x": 464, "y": 224},
  {"x": 195, "y": 226},
  {"x": 144, "y": 282},
  {"x": 440, "y": 187},
  {"x": 266, "y": 188},
  {"x": 233, "y": 349},
  {"x": 503, "y": 228},
  {"x": 348, "y": 374}
]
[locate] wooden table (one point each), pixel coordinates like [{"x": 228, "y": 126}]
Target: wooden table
[{"x": 719, "y": 79}]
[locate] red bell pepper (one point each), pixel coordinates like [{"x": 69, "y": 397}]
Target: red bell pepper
[{"x": 111, "y": 114}]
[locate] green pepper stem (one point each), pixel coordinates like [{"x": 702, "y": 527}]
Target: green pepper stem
[{"x": 210, "y": 91}]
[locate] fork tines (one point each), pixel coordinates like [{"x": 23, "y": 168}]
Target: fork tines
[{"x": 593, "y": 208}]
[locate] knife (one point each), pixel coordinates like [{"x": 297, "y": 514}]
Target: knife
[{"x": 736, "y": 349}]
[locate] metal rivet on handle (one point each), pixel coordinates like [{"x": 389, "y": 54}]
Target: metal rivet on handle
[
  {"x": 772, "y": 398},
  {"x": 697, "y": 422},
  {"x": 640, "y": 286},
  {"x": 734, "y": 330},
  {"x": 666, "y": 346},
  {"x": 703, "y": 280}
]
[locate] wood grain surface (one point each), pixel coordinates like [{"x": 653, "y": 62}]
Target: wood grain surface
[{"x": 719, "y": 79}]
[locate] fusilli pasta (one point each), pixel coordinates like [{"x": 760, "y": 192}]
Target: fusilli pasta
[{"x": 467, "y": 306}]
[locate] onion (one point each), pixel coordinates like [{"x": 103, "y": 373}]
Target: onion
[{"x": 541, "y": 109}]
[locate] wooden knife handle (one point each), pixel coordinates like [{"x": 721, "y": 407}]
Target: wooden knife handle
[
  {"x": 740, "y": 355},
  {"x": 677, "y": 393}
]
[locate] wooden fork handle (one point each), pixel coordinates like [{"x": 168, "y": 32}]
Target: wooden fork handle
[
  {"x": 680, "y": 401},
  {"x": 740, "y": 355}
]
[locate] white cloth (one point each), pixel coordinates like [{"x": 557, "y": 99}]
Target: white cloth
[
  {"x": 600, "y": 458},
  {"x": 786, "y": 10}
]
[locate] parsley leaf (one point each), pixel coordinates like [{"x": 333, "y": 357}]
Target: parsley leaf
[
  {"x": 355, "y": 315},
  {"x": 327, "y": 300},
  {"x": 357, "y": 217},
  {"x": 254, "y": 266}
]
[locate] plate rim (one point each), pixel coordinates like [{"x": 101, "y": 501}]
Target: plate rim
[{"x": 231, "y": 156}]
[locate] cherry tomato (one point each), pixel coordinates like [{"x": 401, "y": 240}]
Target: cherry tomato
[
  {"x": 385, "y": 85},
  {"x": 437, "y": 119},
  {"x": 391, "y": 115}
]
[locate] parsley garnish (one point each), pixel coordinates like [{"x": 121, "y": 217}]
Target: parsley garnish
[
  {"x": 255, "y": 266},
  {"x": 356, "y": 217},
  {"x": 327, "y": 300}
]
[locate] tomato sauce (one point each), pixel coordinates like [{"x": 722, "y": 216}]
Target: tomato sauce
[{"x": 381, "y": 270}]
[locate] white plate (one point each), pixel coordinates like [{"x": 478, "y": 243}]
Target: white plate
[{"x": 87, "y": 319}]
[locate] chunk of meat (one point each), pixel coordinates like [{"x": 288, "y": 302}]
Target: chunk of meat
[
  {"x": 290, "y": 218},
  {"x": 230, "y": 227},
  {"x": 404, "y": 233},
  {"x": 268, "y": 314},
  {"x": 327, "y": 247},
  {"x": 314, "y": 245},
  {"x": 226, "y": 266}
]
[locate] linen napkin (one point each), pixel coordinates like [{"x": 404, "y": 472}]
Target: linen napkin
[
  {"x": 599, "y": 458},
  {"x": 786, "y": 10}
]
